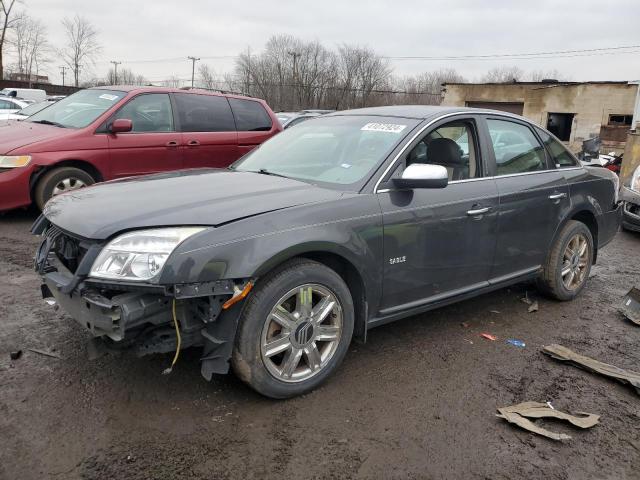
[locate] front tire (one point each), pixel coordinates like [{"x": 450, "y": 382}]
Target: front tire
[
  {"x": 568, "y": 264},
  {"x": 295, "y": 329},
  {"x": 60, "y": 180}
]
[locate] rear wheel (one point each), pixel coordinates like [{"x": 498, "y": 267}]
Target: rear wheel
[
  {"x": 568, "y": 264},
  {"x": 60, "y": 180},
  {"x": 295, "y": 329}
]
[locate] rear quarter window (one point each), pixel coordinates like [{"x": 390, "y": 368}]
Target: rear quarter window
[{"x": 250, "y": 115}]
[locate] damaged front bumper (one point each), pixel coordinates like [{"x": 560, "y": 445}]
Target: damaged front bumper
[
  {"x": 631, "y": 211},
  {"x": 137, "y": 315}
]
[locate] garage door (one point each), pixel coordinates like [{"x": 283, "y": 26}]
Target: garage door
[{"x": 511, "y": 107}]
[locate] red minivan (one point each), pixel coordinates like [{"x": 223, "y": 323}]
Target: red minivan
[{"x": 104, "y": 133}]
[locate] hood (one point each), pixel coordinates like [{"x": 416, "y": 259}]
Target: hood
[
  {"x": 20, "y": 134},
  {"x": 190, "y": 197}
]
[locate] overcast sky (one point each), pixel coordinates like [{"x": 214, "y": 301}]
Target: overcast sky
[{"x": 134, "y": 30}]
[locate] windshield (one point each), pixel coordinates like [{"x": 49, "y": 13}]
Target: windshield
[
  {"x": 35, "y": 108},
  {"x": 340, "y": 151},
  {"x": 78, "y": 110}
]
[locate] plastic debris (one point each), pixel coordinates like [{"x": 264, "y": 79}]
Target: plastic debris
[
  {"x": 525, "y": 299},
  {"x": 533, "y": 307},
  {"x": 631, "y": 305},
  {"x": 488, "y": 336},
  {"x": 494, "y": 311},
  {"x": 15, "y": 355},
  {"x": 516, "y": 343},
  {"x": 564, "y": 354},
  {"x": 44, "y": 352},
  {"x": 516, "y": 414}
]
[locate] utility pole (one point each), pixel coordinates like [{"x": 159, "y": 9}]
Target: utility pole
[
  {"x": 295, "y": 56},
  {"x": 115, "y": 71},
  {"x": 193, "y": 68},
  {"x": 63, "y": 70}
]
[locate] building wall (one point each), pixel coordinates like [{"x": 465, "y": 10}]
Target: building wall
[{"x": 592, "y": 103}]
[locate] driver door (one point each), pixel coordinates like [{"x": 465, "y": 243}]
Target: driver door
[
  {"x": 153, "y": 145},
  {"x": 439, "y": 242}
]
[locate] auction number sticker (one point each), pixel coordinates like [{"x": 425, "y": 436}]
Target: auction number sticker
[
  {"x": 108, "y": 96},
  {"x": 383, "y": 127}
]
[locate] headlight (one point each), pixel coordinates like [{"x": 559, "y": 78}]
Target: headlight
[
  {"x": 139, "y": 255},
  {"x": 7, "y": 161},
  {"x": 635, "y": 180}
]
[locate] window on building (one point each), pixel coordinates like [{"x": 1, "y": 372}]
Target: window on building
[
  {"x": 516, "y": 148},
  {"x": 560, "y": 125},
  {"x": 616, "y": 120}
]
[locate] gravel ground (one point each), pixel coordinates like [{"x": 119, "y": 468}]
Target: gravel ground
[{"x": 416, "y": 401}]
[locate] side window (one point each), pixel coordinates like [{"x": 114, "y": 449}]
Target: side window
[
  {"x": 453, "y": 146},
  {"x": 250, "y": 116},
  {"x": 149, "y": 112},
  {"x": 4, "y": 105},
  {"x": 559, "y": 154},
  {"x": 516, "y": 148},
  {"x": 204, "y": 113}
]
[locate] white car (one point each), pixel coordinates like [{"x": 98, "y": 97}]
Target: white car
[
  {"x": 24, "y": 112},
  {"x": 10, "y": 105}
]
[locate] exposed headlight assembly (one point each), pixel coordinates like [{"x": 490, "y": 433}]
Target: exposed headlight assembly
[
  {"x": 635, "y": 180},
  {"x": 139, "y": 255},
  {"x": 8, "y": 161}
]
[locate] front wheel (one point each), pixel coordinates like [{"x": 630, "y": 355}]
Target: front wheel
[
  {"x": 568, "y": 264},
  {"x": 295, "y": 329},
  {"x": 60, "y": 180}
]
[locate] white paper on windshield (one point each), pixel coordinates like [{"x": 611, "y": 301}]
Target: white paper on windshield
[
  {"x": 108, "y": 96},
  {"x": 383, "y": 127}
]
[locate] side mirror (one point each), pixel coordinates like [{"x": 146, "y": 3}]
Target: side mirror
[
  {"x": 121, "y": 125},
  {"x": 423, "y": 175}
]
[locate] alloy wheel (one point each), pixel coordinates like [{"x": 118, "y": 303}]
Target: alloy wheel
[
  {"x": 575, "y": 262},
  {"x": 302, "y": 333},
  {"x": 67, "y": 184}
]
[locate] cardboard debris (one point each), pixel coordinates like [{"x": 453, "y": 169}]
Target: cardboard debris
[
  {"x": 533, "y": 307},
  {"x": 516, "y": 414},
  {"x": 564, "y": 354},
  {"x": 631, "y": 305}
]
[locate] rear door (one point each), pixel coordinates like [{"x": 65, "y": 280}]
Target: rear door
[
  {"x": 439, "y": 242},
  {"x": 253, "y": 122},
  {"x": 208, "y": 131},
  {"x": 534, "y": 197},
  {"x": 152, "y": 145}
]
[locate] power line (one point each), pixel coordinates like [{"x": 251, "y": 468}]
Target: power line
[
  {"x": 193, "y": 68},
  {"x": 115, "y": 71}
]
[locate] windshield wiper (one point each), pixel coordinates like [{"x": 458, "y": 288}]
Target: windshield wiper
[
  {"x": 264, "y": 171},
  {"x": 48, "y": 122}
]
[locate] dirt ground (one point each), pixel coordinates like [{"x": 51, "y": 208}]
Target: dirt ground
[{"x": 416, "y": 401}]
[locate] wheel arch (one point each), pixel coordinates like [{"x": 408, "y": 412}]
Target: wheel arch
[
  {"x": 84, "y": 165},
  {"x": 586, "y": 216}
]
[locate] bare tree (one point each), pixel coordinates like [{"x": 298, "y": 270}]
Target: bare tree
[
  {"x": 503, "y": 75},
  {"x": 125, "y": 77},
  {"x": 207, "y": 77},
  {"x": 6, "y": 23},
  {"x": 173, "y": 82},
  {"x": 539, "y": 75},
  {"x": 31, "y": 45},
  {"x": 82, "y": 44},
  {"x": 425, "y": 88}
]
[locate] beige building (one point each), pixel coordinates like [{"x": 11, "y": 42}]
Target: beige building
[{"x": 573, "y": 111}]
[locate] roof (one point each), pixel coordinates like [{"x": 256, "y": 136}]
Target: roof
[
  {"x": 153, "y": 88},
  {"x": 545, "y": 83},
  {"x": 419, "y": 112}
]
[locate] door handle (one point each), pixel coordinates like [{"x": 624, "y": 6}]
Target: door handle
[
  {"x": 172, "y": 143},
  {"x": 557, "y": 196},
  {"x": 477, "y": 211},
  {"x": 193, "y": 143}
]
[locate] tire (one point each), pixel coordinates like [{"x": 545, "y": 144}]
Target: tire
[
  {"x": 253, "y": 359},
  {"x": 61, "y": 178},
  {"x": 551, "y": 282}
]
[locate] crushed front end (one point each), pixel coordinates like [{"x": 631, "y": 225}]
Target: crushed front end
[{"x": 143, "y": 316}]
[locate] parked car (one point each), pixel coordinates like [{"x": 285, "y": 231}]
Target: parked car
[
  {"x": 10, "y": 105},
  {"x": 631, "y": 197},
  {"x": 25, "y": 112},
  {"x": 351, "y": 221},
  {"x": 289, "y": 119},
  {"x": 30, "y": 95},
  {"x": 106, "y": 133}
]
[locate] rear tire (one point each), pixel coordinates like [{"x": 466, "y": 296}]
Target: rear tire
[
  {"x": 295, "y": 329},
  {"x": 60, "y": 180},
  {"x": 568, "y": 264}
]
